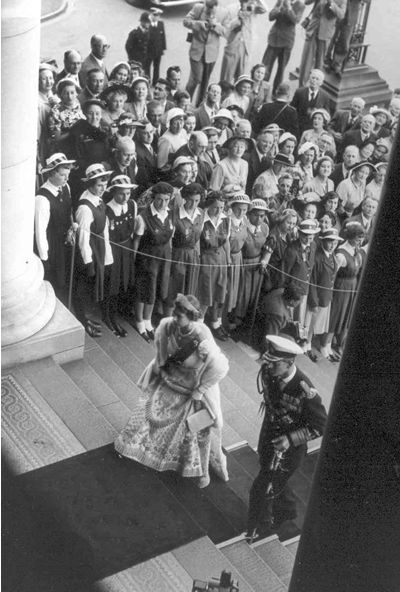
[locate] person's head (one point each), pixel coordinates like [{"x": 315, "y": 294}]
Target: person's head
[
  {"x": 161, "y": 194},
  {"x": 96, "y": 178},
  {"x": 154, "y": 113},
  {"x": 367, "y": 150},
  {"x": 258, "y": 72},
  {"x": 265, "y": 141},
  {"x": 140, "y": 89},
  {"x": 182, "y": 169},
  {"x": 155, "y": 14},
  {"x": 175, "y": 119},
  {"x": 145, "y": 132},
  {"x": 161, "y": 89},
  {"x": 287, "y": 220},
  {"x": 287, "y": 143},
  {"x": 380, "y": 174},
  {"x": 326, "y": 143},
  {"x": 380, "y": 151},
  {"x": 327, "y": 220},
  {"x": 192, "y": 194},
  {"x": 189, "y": 122},
  {"x": 393, "y": 129},
  {"x": 324, "y": 167},
  {"x": 274, "y": 129},
  {"x": 308, "y": 229},
  {"x": 126, "y": 126},
  {"x": 92, "y": 110},
  {"x": 257, "y": 211},
  {"x": 236, "y": 112},
  {"x": 285, "y": 183},
  {"x": 361, "y": 172},
  {"x": 227, "y": 89},
  {"x": 329, "y": 239},
  {"x": 214, "y": 204},
  {"x": 222, "y": 119},
  {"x": 95, "y": 81},
  {"x": 320, "y": 118},
  {"x": 182, "y": 100},
  {"x": 243, "y": 86},
  {"x": 213, "y": 96},
  {"x": 291, "y": 295},
  {"x": 120, "y": 188},
  {"x": 351, "y": 155},
  {"x": 46, "y": 78},
  {"x": 280, "y": 356},
  {"x": 211, "y": 3},
  {"x": 354, "y": 233},
  {"x": 58, "y": 168},
  {"x": 72, "y": 61},
  {"x": 124, "y": 151},
  {"x": 394, "y": 107},
  {"x": 174, "y": 77},
  {"x": 367, "y": 123},
  {"x": 120, "y": 73},
  {"x": 239, "y": 205},
  {"x": 186, "y": 310},
  {"x": 212, "y": 134},
  {"x": 307, "y": 153},
  {"x": 116, "y": 99},
  {"x": 282, "y": 164},
  {"x": 236, "y": 147},
  {"x": 243, "y": 128},
  {"x": 357, "y": 106},
  {"x": 330, "y": 201},
  {"x": 283, "y": 91},
  {"x": 198, "y": 143},
  {"x": 136, "y": 69},
  {"x": 316, "y": 79},
  {"x": 145, "y": 21},
  {"x": 309, "y": 211},
  {"x": 99, "y": 46},
  {"x": 68, "y": 90},
  {"x": 369, "y": 206},
  {"x": 382, "y": 116}
]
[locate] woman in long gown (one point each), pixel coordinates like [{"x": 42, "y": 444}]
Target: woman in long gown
[{"x": 186, "y": 370}]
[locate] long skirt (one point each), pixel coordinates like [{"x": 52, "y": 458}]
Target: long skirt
[{"x": 157, "y": 435}]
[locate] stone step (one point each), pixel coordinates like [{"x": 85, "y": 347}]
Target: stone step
[
  {"x": 277, "y": 557},
  {"x": 72, "y": 406},
  {"x": 257, "y": 572},
  {"x": 202, "y": 560},
  {"x": 292, "y": 545}
]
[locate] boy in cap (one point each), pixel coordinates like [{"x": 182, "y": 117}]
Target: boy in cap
[
  {"x": 137, "y": 44},
  {"x": 157, "y": 44},
  {"x": 293, "y": 415}
]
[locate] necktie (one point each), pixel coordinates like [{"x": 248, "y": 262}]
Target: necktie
[
  {"x": 312, "y": 96},
  {"x": 212, "y": 157}
]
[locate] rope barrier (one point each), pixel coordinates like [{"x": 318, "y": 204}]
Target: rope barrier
[{"x": 227, "y": 265}]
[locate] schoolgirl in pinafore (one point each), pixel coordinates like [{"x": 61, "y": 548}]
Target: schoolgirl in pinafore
[{"x": 237, "y": 239}]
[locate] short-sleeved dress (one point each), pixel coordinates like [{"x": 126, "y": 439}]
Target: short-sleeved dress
[
  {"x": 236, "y": 240},
  {"x": 213, "y": 277},
  {"x": 342, "y": 302}
]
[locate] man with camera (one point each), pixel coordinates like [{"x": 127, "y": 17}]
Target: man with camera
[
  {"x": 293, "y": 415},
  {"x": 207, "y": 24}
]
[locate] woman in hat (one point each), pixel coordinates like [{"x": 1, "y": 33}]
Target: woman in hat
[
  {"x": 53, "y": 220},
  {"x": 139, "y": 96},
  {"x": 183, "y": 377},
  {"x": 63, "y": 115},
  {"x": 214, "y": 258},
  {"x": 321, "y": 182},
  {"x": 94, "y": 250},
  {"x": 120, "y": 73},
  {"x": 233, "y": 168},
  {"x": 374, "y": 187},
  {"x": 181, "y": 174},
  {"x": 320, "y": 118},
  {"x": 241, "y": 94},
  {"x": 260, "y": 91},
  {"x": 188, "y": 224},
  {"x": 121, "y": 213},
  {"x": 286, "y": 144},
  {"x": 252, "y": 252},
  {"x": 172, "y": 139},
  {"x": 351, "y": 190},
  {"x": 115, "y": 97},
  {"x": 349, "y": 260},
  {"x": 223, "y": 121},
  {"x": 153, "y": 235},
  {"x": 383, "y": 119},
  {"x": 239, "y": 205}
]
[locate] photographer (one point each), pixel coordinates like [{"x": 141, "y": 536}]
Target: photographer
[{"x": 239, "y": 40}]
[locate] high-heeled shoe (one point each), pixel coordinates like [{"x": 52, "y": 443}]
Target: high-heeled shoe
[
  {"x": 150, "y": 334},
  {"x": 143, "y": 335},
  {"x": 91, "y": 330},
  {"x": 120, "y": 329}
]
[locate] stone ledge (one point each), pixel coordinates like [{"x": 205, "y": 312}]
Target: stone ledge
[{"x": 63, "y": 338}]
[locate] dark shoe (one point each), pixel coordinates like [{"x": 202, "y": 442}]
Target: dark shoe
[
  {"x": 94, "y": 324},
  {"x": 313, "y": 356},
  {"x": 107, "y": 320},
  {"x": 143, "y": 335},
  {"x": 150, "y": 334},
  {"x": 333, "y": 359},
  {"x": 120, "y": 330},
  {"x": 220, "y": 334},
  {"x": 91, "y": 330},
  {"x": 259, "y": 533}
]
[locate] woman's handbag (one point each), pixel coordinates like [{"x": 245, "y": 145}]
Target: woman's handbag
[
  {"x": 199, "y": 420},
  {"x": 189, "y": 37}
]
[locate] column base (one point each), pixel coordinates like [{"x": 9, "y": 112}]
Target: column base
[{"x": 63, "y": 338}]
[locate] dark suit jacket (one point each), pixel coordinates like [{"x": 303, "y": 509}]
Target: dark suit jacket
[
  {"x": 89, "y": 63},
  {"x": 304, "y": 107},
  {"x": 280, "y": 113},
  {"x": 353, "y": 138},
  {"x": 340, "y": 121},
  {"x": 157, "y": 43},
  {"x": 293, "y": 265},
  {"x": 323, "y": 275},
  {"x": 146, "y": 175},
  {"x": 202, "y": 118},
  {"x": 137, "y": 46},
  {"x": 337, "y": 174},
  {"x": 256, "y": 167}
]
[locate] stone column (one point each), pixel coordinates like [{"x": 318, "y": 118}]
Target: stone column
[{"x": 28, "y": 303}]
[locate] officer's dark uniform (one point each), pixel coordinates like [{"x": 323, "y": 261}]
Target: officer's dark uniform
[{"x": 288, "y": 411}]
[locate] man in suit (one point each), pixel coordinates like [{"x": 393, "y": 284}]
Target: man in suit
[
  {"x": 359, "y": 137},
  {"x": 209, "y": 108},
  {"x": 72, "y": 66},
  {"x": 319, "y": 32},
  {"x": 146, "y": 175},
  {"x": 279, "y": 112},
  {"x": 196, "y": 146},
  {"x": 157, "y": 43},
  {"x": 154, "y": 115},
  {"x": 173, "y": 77},
  {"x": 344, "y": 120},
  {"x": 341, "y": 171},
  {"x": 99, "y": 46},
  {"x": 259, "y": 158},
  {"x": 207, "y": 24},
  {"x": 137, "y": 44},
  {"x": 211, "y": 155},
  {"x": 293, "y": 415},
  {"x": 366, "y": 217},
  {"x": 310, "y": 97},
  {"x": 160, "y": 93},
  {"x": 94, "y": 86}
]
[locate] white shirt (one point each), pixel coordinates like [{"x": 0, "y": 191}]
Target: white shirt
[
  {"x": 218, "y": 221},
  {"x": 291, "y": 375},
  {"x": 141, "y": 224},
  {"x": 340, "y": 258},
  {"x": 42, "y": 217},
  {"x": 184, "y": 214},
  {"x": 84, "y": 218}
]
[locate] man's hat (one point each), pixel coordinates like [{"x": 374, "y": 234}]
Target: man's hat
[
  {"x": 121, "y": 182},
  {"x": 95, "y": 171},
  {"x": 258, "y": 204},
  {"x": 281, "y": 348},
  {"x": 309, "y": 227},
  {"x": 182, "y": 160},
  {"x": 331, "y": 234},
  {"x": 56, "y": 160},
  {"x": 155, "y": 10},
  {"x": 283, "y": 159}
]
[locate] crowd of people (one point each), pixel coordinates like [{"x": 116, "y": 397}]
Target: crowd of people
[{"x": 259, "y": 203}]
